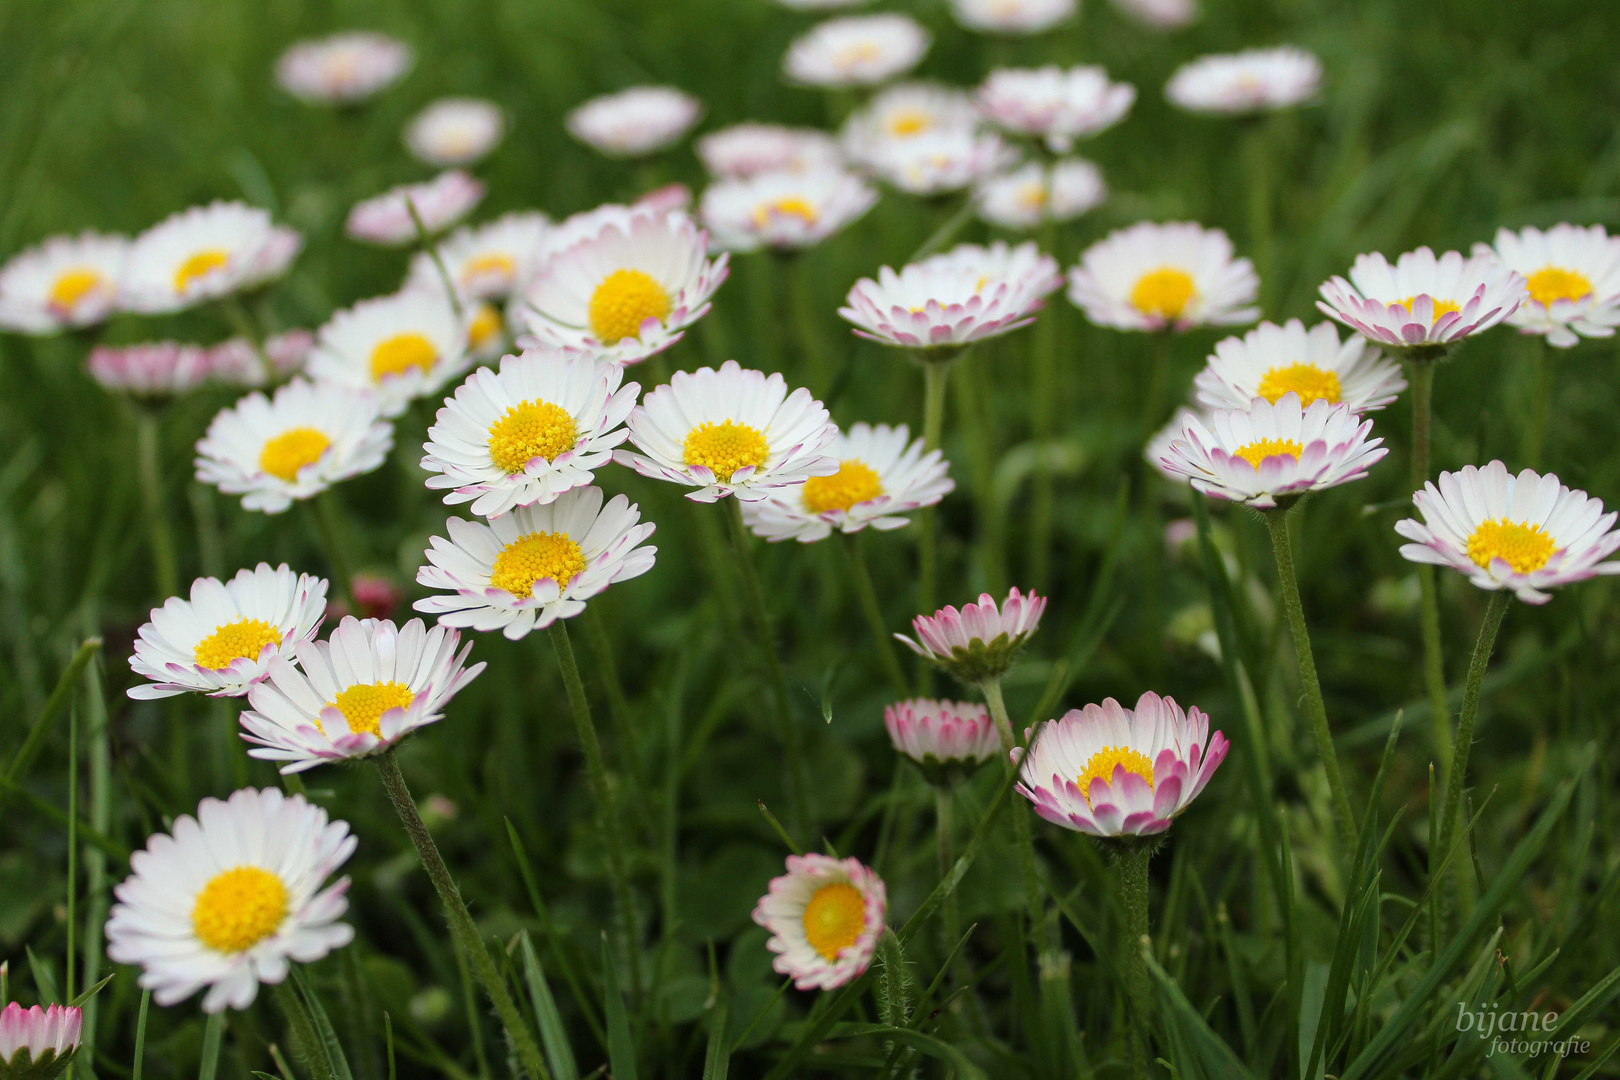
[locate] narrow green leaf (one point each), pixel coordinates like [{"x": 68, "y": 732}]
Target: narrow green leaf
[
  {"x": 928, "y": 1044},
  {"x": 1210, "y": 1049},
  {"x": 213, "y": 1035},
  {"x": 559, "y": 1052},
  {"x": 621, "y": 1048},
  {"x": 717, "y": 1059},
  {"x": 93, "y": 991},
  {"x": 576, "y": 984},
  {"x": 388, "y": 1038},
  {"x": 777, "y": 826},
  {"x": 54, "y": 705},
  {"x": 43, "y": 978},
  {"x": 140, "y": 1035},
  {"x": 1590, "y": 1002},
  {"x": 338, "y": 1063}
]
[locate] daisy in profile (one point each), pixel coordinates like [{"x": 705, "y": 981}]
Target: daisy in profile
[
  {"x": 1158, "y": 444},
  {"x": 344, "y": 68},
  {"x": 785, "y": 211},
  {"x": 856, "y": 50},
  {"x": 455, "y": 131},
  {"x": 528, "y": 568},
  {"x": 979, "y": 643},
  {"x": 730, "y": 432},
  {"x": 1153, "y": 276},
  {"x": 273, "y": 451},
  {"x": 904, "y": 112},
  {"x": 528, "y": 433},
  {"x": 881, "y": 475},
  {"x": 484, "y": 261},
  {"x": 441, "y": 202},
  {"x": 1160, "y": 14},
  {"x": 939, "y": 162},
  {"x": 743, "y": 150},
  {"x": 238, "y": 362},
  {"x": 230, "y": 897},
  {"x": 1255, "y": 80},
  {"x": 204, "y": 253},
  {"x": 1055, "y": 104},
  {"x": 1572, "y": 275},
  {"x": 1270, "y": 361},
  {"x": 39, "y": 1043},
  {"x": 358, "y": 694},
  {"x": 1013, "y": 16},
  {"x": 635, "y": 122},
  {"x": 154, "y": 370},
  {"x": 825, "y": 917},
  {"x": 1424, "y": 304},
  {"x": 947, "y": 740},
  {"x": 63, "y": 284},
  {"x": 1035, "y": 193},
  {"x": 401, "y": 347}
]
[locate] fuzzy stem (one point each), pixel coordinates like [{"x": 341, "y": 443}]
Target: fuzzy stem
[
  {"x": 324, "y": 514},
  {"x": 1157, "y": 374},
  {"x": 1257, "y": 158},
  {"x": 1457, "y": 771},
  {"x": 1043, "y": 399},
  {"x": 148, "y": 432},
  {"x": 306, "y": 1047},
  {"x": 991, "y": 689},
  {"x": 867, "y": 594},
  {"x": 432, "y": 250},
  {"x": 951, "y": 918},
  {"x": 1134, "y": 856},
  {"x": 1535, "y": 438},
  {"x": 1421, "y": 375}
]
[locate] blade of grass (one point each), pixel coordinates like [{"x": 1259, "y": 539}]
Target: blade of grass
[{"x": 559, "y": 1052}]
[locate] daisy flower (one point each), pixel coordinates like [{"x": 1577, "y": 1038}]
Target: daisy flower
[
  {"x": 784, "y": 210},
  {"x": 1153, "y": 276},
  {"x": 155, "y": 369},
  {"x": 1527, "y": 533},
  {"x": 821, "y": 5},
  {"x": 981, "y": 641},
  {"x": 1106, "y": 770},
  {"x": 635, "y": 122},
  {"x": 1255, "y": 80},
  {"x": 667, "y": 199},
  {"x": 36, "y": 1043},
  {"x": 230, "y": 896},
  {"x": 455, "y": 131},
  {"x": 401, "y": 347},
  {"x": 1269, "y": 453},
  {"x": 1270, "y": 361},
  {"x": 1573, "y": 277},
  {"x": 1158, "y": 444},
  {"x": 1036, "y": 193},
  {"x": 1423, "y": 303},
  {"x": 204, "y": 253},
  {"x": 947, "y": 740},
  {"x": 1160, "y": 14},
  {"x": 343, "y": 68},
  {"x": 526, "y": 569},
  {"x": 527, "y": 434},
  {"x": 938, "y": 162},
  {"x": 902, "y": 113},
  {"x": 1055, "y": 104},
  {"x": 441, "y": 202},
  {"x": 221, "y": 641},
  {"x": 881, "y": 475},
  {"x": 356, "y": 695},
  {"x": 237, "y": 362},
  {"x": 742, "y": 150},
  {"x": 295, "y": 445},
  {"x": 825, "y": 916},
  {"x": 856, "y": 50},
  {"x": 1013, "y": 16},
  {"x": 65, "y": 283}
]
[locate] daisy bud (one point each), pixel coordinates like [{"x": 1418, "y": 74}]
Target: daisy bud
[
  {"x": 979, "y": 642},
  {"x": 858, "y": 50},
  {"x": 1255, "y": 80},
  {"x": 947, "y": 740},
  {"x": 635, "y": 122},
  {"x": 36, "y": 1043},
  {"x": 1423, "y": 305}
]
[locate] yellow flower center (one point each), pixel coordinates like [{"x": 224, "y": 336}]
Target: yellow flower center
[
  {"x": 290, "y": 451},
  {"x": 625, "y": 300},
  {"x": 792, "y": 206},
  {"x": 486, "y": 323},
  {"x": 1441, "y": 307},
  {"x": 1526, "y": 548},
  {"x": 71, "y": 287},
  {"x": 1033, "y": 197},
  {"x": 198, "y": 266},
  {"x": 1553, "y": 283},
  {"x": 834, "y": 918},
  {"x": 536, "y": 557},
  {"x": 239, "y": 908},
  {"x": 854, "y": 482},
  {"x": 1164, "y": 292},
  {"x": 910, "y": 122},
  {"x": 400, "y": 353},
  {"x": 1256, "y": 452},
  {"x": 1310, "y": 382},
  {"x": 491, "y": 262},
  {"x": 1103, "y": 762},
  {"x": 725, "y": 447},
  {"x": 363, "y": 704},
  {"x": 862, "y": 52},
  {"x": 530, "y": 430},
  {"x": 244, "y": 638}
]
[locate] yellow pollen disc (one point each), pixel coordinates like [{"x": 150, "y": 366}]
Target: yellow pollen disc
[
  {"x": 1526, "y": 548},
  {"x": 1551, "y": 284},
  {"x": 1441, "y": 307},
  {"x": 363, "y": 704},
  {"x": 485, "y": 324},
  {"x": 1256, "y": 452},
  {"x": 1032, "y": 197},
  {"x": 536, "y": 557},
  {"x": 491, "y": 262},
  {"x": 625, "y": 300},
  {"x": 792, "y": 206},
  {"x": 1310, "y": 382},
  {"x": 244, "y": 638},
  {"x": 834, "y": 918},
  {"x": 530, "y": 430},
  {"x": 854, "y": 482},
  {"x": 910, "y": 122},
  {"x": 239, "y": 908},
  {"x": 725, "y": 447},
  {"x": 290, "y": 451},
  {"x": 1164, "y": 292},
  {"x": 199, "y": 266},
  {"x": 400, "y": 353},
  {"x": 1102, "y": 764},
  {"x": 71, "y": 287}
]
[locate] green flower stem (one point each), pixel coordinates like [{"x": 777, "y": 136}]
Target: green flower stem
[
  {"x": 867, "y": 594},
  {"x": 1420, "y": 373},
  {"x": 618, "y": 701},
  {"x": 806, "y": 315},
  {"x": 148, "y": 435},
  {"x": 935, "y": 380},
  {"x": 306, "y": 1046},
  {"x": 1157, "y": 375},
  {"x": 461, "y": 921},
  {"x": 325, "y": 516},
  {"x": 951, "y": 914},
  {"x": 991, "y": 689},
  {"x": 1457, "y": 771},
  {"x": 1257, "y": 159},
  {"x": 1277, "y": 522},
  {"x": 432, "y": 250},
  {"x": 1135, "y": 853},
  {"x": 1535, "y": 437},
  {"x": 1043, "y": 400}
]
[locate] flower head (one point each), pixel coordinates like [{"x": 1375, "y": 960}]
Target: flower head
[
  {"x": 343, "y": 68},
  {"x": 1013, "y": 16},
  {"x": 237, "y": 362},
  {"x": 902, "y": 114},
  {"x": 1158, "y": 444},
  {"x": 1160, "y": 14},
  {"x": 784, "y": 210},
  {"x": 1271, "y": 360},
  {"x": 1176, "y": 275},
  {"x": 743, "y": 150},
  {"x": 1255, "y": 80},
  {"x": 65, "y": 283},
  {"x": 485, "y": 261},
  {"x": 825, "y": 916},
  {"x": 635, "y": 122},
  {"x": 1034, "y": 193},
  {"x": 455, "y": 131},
  {"x": 153, "y": 370},
  {"x": 36, "y": 1043},
  {"x": 399, "y": 347},
  {"x": 204, "y": 253},
  {"x": 441, "y": 202},
  {"x": 941, "y": 161},
  {"x": 1422, "y": 302},
  {"x": 1572, "y": 275},
  {"x": 856, "y": 50},
  {"x": 1055, "y": 104},
  {"x": 948, "y": 740},
  {"x": 981, "y": 641}
]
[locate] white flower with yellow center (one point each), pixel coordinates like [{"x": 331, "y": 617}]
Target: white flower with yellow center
[
  {"x": 1160, "y": 14},
  {"x": 204, "y": 253},
  {"x": 439, "y": 203},
  {"x": 64, "y": 283},
  {"x": 343, "y": 68},
  {"x": 1056, "y": 104},
  {"x": 730, "y": 432},
  {"x": 526, "y": 569},
  {"x": 1013, "y": 16},
  {"x": 356, "y": 695},
  {"x": 484, "y": 261},
  {"x": 1572, "y": 274},
  {"x": 941, "y": 161},
  {"x": 748, "y": 148},
  {"x": 221, "y": 641},
  {"x": 821, "y": 5},
  {"x": 825, "y": 916},
  {"x": 230, "y": 896},
  {"x": 881, "y": 476},
  {"x": 1270, "y": 361},
  {"x": 273, "y": 451},
  {"x": 1153, "y": 276},
  {"x": 785, "y": 211},
  {"x": 455, "y": 131},
  {"x": 904, "y": 113},
  {"x": 856, "y": 50},
  {"x": 1158, "y": 444},
  {"x": 628, "y": 290},
  {"x": 635, "y": 122},
  {"x": 1035, "y": 193},
  {"x": 1526, "y": 533},
  {"x": 1255, "y": 80},
  {"x": 402, "y": 347},
  {"x": 1423, "y": 303}
]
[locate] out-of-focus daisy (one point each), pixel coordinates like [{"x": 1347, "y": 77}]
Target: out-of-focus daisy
[
  {"x": 1013, "y": 16},
  {"x": 881, "y": 475},
  {"x": 1055, "y": 104},
  {"x": 1158, "y": 444},
  {"x": 856, "y": 50},
  {"x": 36, "y": 1043},
  {"x": 65, "y": 283},
  {"x": 784, "y": 210},
  {"x": 1034, "y": 193},
  {"x": 1422, "y": 302},
  {"x": 272, "y": 451},
  {"x": 358, "y": 694},
  {"x": 526, "y": 569},
  {"x": 825, "y": 916},
  {"x": 635, "y": 122},
  {"x": 1572, "y": 273},
  {"x": 1106, "y": 770},
  {"x": 484, "y": 261},
  {"x": 455, "y": 131},
  {"x": 904, "y": 112},
  {"x": 1267, "y": 452},
  {"x": 1255, "y": 80},
  {"x": 981, "y": 641},
  {"x": 1153, "y": 276},
  {"x": 403, "y": 347},
  {"x": 152, "y": 370},
  {"x": 237, "y": 362},
  {"x": 530, "y": 432},
  {"x": 343, "y": 68},
  {"x": 947, "y": 739},
  {"x": 1160, "y": 14},
  {"x": 745, "y": 149},
  {"x": 1526, "y": 533},
  {"x": 204, "y": 253},
  {"x": 938, "y": 162},
  {"x": 486, "y": 332},
  {"x": 231, "y": 896},
  {"x": 667, "y": 199},
  {"x": 821, "y": 5},
  {"x": 1270, "y": 361},
  {"x": 440, "y": 203}
]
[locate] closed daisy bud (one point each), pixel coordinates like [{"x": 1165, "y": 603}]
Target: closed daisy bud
[
  {"x": 441, "y": 202},
  {"x": 825, "y": 916},
  {"x": 152, "y": 371},
  {"x": 1270, "y": 361},
  {"x": 36, "y": 1043},
  {"x": 980, "y": 641},
  {"x": 343, "y": 68},
  {"x": 856, "y": 50},
  {"x": 947, "y": 739},
  {"x": 635, "y": 122},
  {"x": 399, "y": 347},
  {"x": 205, "y": 253},
  {"x": 1055, "y": 104},
  {"x": 1173, "y": 276},
  {"x": 1572, "y": 275},
  {"x": 1255, "y": 80},
  {"x": 1423, "y": 304},
  {"x": 455, "y": 131},
  {"x": 65, "y": 283}
]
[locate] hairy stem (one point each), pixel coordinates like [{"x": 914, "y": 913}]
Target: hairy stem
[
  {"x": 1134, "y": 856},
  {"x": 1021, "y": 826},
  {"x": 306, "y": 1046},
  {"x": 866, "y": 593},
  {"x": 1421, "y": 375}
]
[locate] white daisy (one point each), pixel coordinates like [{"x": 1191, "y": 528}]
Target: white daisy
[
  {"x": 524, "y": 570},
  {"x": 941, "y": 161},
  {"x": 204, "y": 253},
  {"x": 856, "y": 50},
  {"x": 155, "y": 369},
  {"x": 455, "y": 131},
  {"x": 821, "y": 5},
  {"x": 1158, "y": 444},
  {"x": 1055, "y": 104},
  {"x": 486, "y": 331},
  {"x": 66, "y": 282},
  {"x": 1154, "y": 276},
  {"x": 439, "y": 203},
  {"x": 1270, "y": 361},
  {"x": 902, "y": 113},
  {"x": 403, "y": 347},
  {"x": 272, "y": 451},
  {"x": 1034, "y": 193},
  {"x": 825, "y": 916},
  {"x": 635, "y": 122},
  {"x": 343, "y": 68},
  {"x": 1572, "y": 273},
  {"x": 230, "y": 896},
  {"x": 1423, "y": 303},
  {"x": 745, "y": 149},
  {"x": 484, "y": 261},
  {"x": 1160, "y": 14},
  {"x": 1013, "y": 16},
  {"x": 784, "y": 210},
  {"x": 1255, "y": 80}
]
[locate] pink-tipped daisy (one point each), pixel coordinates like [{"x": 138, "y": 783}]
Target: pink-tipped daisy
[
  {"x": 825, "y": 916},
  {"x": 1255, "y": 80},
  {"x": 1270, "y": 361},
  {"x": 856, "y": 50},
  {"x": 343, "y": 68},
  {"x": 439, "y": 203},
  {"x": 36, "y": 1043},
  {"x": 1055, "y": 104},
  {"x": 1153, "y": 277},
  {"x": 65, "y": 283},
  {"x": 1423, "y": 303},
  {"x": 635, "y": 122},
  {"x": 745, "y": 149},
  {"x": 981, "y": 641},
  {"x": 947, "y": 740},
  {"x": 1035, "y": 193},
  {"x": 1572, "y": 274}
]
